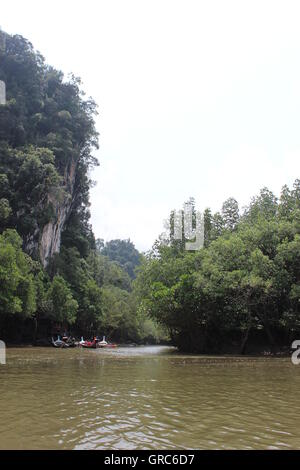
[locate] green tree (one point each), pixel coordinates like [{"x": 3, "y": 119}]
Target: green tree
[
  {"x": 62, "y": 306},
  {"x": 90, "y": 308},
  {"x": 17, "y": 290},
  {"x": 230, "y": 213},
  {"x": 124, "y": 253}
]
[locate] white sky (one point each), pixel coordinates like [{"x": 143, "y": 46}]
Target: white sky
[{"x": 196, "y": 98}]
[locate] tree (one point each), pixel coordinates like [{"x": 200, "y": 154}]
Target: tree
[
  {"x": 124, "y": 253},
  {"x": 119, "y": 315},
  {"x": 242, "y": 285},
  {"x": 208, "y": 224},
  {"x": 17, "y": 290},
  {"x": 5, "y": 211},
  {"x": 63, "y": 307},
  {"x": 217, "y": 225},
  {"x": 264, "y": 206},
  {"x": 90, "y": 308},
  {"x": 230, "y": 213}
]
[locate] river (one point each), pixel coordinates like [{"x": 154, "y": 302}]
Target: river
[{"x": 146, "y": 398}]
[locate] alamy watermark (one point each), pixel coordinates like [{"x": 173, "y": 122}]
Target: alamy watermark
[
  {"x": 2, "y": 353},
  {"x": 295, "y": 356},
  {"x": 187, "y": 225},
  {"x": 2, "y": 93}
]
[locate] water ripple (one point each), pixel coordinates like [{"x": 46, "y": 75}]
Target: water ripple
[{"x": 146, "y": 398}]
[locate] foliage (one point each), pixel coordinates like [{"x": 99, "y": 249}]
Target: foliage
[
  {"x": 122, "y": 252},
  {"x": 17, "y": 289},
  {"x": 63, "y": 307},
  {"x": 47, "y": 135},
  {"x": 244, "y": 282},
  {"x": 47, "y": 138}
]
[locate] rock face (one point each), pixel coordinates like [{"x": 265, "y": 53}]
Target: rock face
[{"x": 50, "y": 237}]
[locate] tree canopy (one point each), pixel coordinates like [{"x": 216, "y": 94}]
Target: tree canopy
[{"x": 243, "y": 286}]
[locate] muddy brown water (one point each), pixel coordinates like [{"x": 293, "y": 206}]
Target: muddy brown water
[{"x": 146, "y": 398}]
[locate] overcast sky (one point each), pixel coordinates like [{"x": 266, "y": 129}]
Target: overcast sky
[{"x": 196, "y": 98}]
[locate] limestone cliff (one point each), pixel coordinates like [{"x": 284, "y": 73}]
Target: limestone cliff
[
  {"x": 47, "y": 136},
  {"x": 50, "y": 237}
]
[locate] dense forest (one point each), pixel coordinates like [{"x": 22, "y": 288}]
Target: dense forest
[
  {"x": 54, "y": 275},
  {"x": 239, "y": 293}
]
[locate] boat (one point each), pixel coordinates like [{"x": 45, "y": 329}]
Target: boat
[
  {"x": 88, "y": 344},
  {"x": 81, "y": 342},
  {"x": 105, "y": 344},
  {"x": 95, "y": 343},
  {"x": 69, "y": 341},
  {"x": 59, "y": 343}
]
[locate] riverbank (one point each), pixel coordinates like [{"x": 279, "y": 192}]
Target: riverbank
[
  {"x": 48, "y": 344},
  {"x": 265, "y": 353}
]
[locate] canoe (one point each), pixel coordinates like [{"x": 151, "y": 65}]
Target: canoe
[
  {"x": 88, "y": 344},
  {"x": 105, "y": 344},
  {"x": 59, "y": 343},
  {"x": 95, "y": 344}
]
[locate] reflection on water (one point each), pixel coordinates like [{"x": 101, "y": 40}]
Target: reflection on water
[{"x": 146, "y": 398}]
